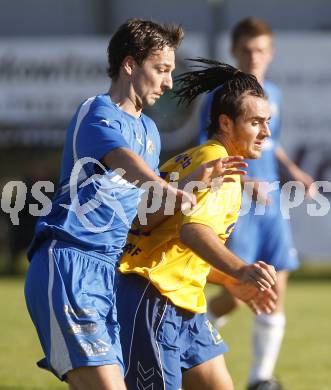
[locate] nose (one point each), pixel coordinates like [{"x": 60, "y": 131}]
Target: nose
[
  {"x": 267, "y": 131},
  {"x": 253, "y": 56},
  {"x": 167, "y": 81}
]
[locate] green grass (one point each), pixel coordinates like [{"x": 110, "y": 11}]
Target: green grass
[
  {"x": 304, "y": 364},
  {"x": 19, "y": 344},
  {"x": 305, "y": 358}
]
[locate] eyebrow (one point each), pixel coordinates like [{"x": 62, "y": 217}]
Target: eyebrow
[
  {"x": 260, "y": 118},
  {"x": 167, "y": 64}
]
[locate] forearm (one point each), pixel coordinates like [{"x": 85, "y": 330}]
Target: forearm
[
  {"x": 134, "y": 169},
  {"x": 220, "y": 278},
  {"x": 203, "y": 241},
  {"x": 137, "y": 172},
  {"x": 284, "y": 159},
  {"x": 297, "y": 173}
]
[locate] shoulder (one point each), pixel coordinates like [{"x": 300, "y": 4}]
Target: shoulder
[
  {"x": 193, "y": 158},
  {"x": 104, "y": 106},
  {"x": 210, "y": 150},
  {"x": 104, "y": 112}
]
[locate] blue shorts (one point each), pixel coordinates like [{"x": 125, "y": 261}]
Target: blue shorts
[
  {"x": 70, "y": 298},
  {"x": 264, "y": 237},
  {"x": 159, "y": 340}
]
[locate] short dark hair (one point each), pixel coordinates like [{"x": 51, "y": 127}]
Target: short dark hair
[
  {"x": 229, "y": 84},
  {"x": 139, "y": 38},
  {"x": 250, "y": 27}
]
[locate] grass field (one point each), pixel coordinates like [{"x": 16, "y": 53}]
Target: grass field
[{"x": 305, "y": 361}]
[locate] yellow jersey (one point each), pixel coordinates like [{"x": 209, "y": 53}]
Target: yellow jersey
[{"x": 159, "y": 256}]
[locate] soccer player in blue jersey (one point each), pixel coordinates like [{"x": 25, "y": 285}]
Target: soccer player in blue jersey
[
  {"x": 71, "y": 281},
  {"x": 264, "y": 237}
]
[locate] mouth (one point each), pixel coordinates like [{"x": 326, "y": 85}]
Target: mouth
[{"x": 258, "y": 145}]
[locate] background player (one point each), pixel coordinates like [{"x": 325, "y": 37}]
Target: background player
[
  {"x": 265, "y": 237},
  {"x": 165, "y": 333}
]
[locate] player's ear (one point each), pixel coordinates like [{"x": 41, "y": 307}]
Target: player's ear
[
  {"x": 128, "y": 65},
  {"x": 225, "y": 124}
]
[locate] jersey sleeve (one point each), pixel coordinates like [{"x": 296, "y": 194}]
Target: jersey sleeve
[{"x": 97, "y": 136}]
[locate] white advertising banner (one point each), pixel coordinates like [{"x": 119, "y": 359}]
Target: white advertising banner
[{"x": 45, "y": 78}]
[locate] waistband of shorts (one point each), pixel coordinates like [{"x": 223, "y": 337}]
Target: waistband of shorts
[{"x": 58, "y": 244}]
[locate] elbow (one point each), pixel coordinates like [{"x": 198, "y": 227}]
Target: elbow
[{"x": 186, "y": 235}]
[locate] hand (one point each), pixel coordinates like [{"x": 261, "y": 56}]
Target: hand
[
  {"x": 306, "y": 180},
  {"x": 261, "y": 274},
  {"x": 263, "y": 302},
  {"x": 187, "y": 200},
  {"x": 218, "y": 169},
  {"x": 258, "y": 301},
  {"x": 210, "y": 174}
]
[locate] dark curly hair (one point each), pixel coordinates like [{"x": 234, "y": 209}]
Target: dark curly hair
[
  {"x": 139, "y": 38},
  {"x": 229, "y": 84}
]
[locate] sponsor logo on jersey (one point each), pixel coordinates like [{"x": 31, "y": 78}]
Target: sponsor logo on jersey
[
  {"x": 105, "y": 122},
  {"x": 150, "y": 146}
]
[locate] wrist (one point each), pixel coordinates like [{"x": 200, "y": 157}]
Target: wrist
[
  {"x": 229, "y": 280},
  {"x": 239, "y": 272}
]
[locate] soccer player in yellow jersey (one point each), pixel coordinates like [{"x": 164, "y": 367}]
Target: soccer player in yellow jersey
[{"x": 166, "y": 337}]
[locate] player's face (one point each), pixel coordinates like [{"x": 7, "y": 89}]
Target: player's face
[
  {"x": 253, "y": 54},
  {"x": 250, "y": 129},
  {"x": 153, "y": 77}
]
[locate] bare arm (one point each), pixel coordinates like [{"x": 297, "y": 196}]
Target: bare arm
[
  {"x": 220, "y": 278},
  {"x": 297, "y": 173},
  {"x": 203, "y": 241},
  {"x": 135, "y": 169}
]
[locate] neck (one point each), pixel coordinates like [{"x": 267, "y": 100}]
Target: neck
[
  {"x": 123, "y": 95},
  {"x": 227, "y": 143}
]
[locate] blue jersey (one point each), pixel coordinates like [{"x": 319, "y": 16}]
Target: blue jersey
[
  {"x": 265, "y": 168},
  {"x": 93, "y": 207}
]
